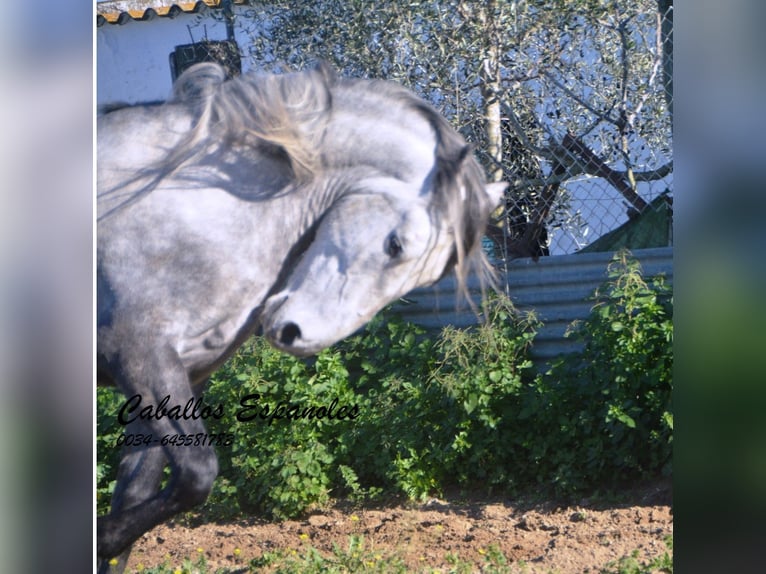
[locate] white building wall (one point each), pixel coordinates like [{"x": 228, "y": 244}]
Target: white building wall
[{"x": 132, "y": 59}]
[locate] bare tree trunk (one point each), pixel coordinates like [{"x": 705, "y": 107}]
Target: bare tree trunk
[
  {"x": 491, "y": 93},
  {"x": 491, "y": 90}
]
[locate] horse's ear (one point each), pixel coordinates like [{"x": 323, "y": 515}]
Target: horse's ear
[
  {"x": 496, "y": 191},
  {"x": 464, "y": 153}
]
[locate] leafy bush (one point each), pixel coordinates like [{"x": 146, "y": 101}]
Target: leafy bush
[
  {"x": 605, "y": 414},
  {"x": 466, "y": 408},
  {"x": 276, "y": 465},
  {"x": 486, "y": 371},
  {"x": 108, "y": 402}
]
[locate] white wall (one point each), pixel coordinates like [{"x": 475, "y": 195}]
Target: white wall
[{"x": 132, "y": 60}]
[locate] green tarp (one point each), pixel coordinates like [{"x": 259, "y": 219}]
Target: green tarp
[{"x": 652, "y": 228}]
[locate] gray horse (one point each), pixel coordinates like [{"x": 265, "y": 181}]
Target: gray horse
[{"x": 293, "y": 206}]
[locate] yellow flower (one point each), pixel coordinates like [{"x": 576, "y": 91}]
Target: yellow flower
[
  {"x": 482, "y": 551},
  {"x": 113, "y": 562},
  {"x": 177, "y": 571},
  {"x": 354, "y": 518},
  {"x": 200, "y": 550},
  {"x": 237, "y": 552},
  {"x": 304, "y": 536}
]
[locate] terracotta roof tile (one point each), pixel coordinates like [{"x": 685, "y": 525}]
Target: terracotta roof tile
[{"x": 121, "y": 11}]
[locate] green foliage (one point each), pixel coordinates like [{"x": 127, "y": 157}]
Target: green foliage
[
  {"x": 587, "y": 67},
  {"x": 275, "y": 465},
  {"x": 108, "y": 401},
  {"x": 605, "y": 414},
  {"x": 632, "y": 565},
  {"x": 356, "y": 557},
  {"x": 198, "y": 565},
  {"x": 612, "y": 403},
  {"x": 486, "y": 372},
  {"x": 466, "y": 409},
  {"x": 360, "y": 557}
]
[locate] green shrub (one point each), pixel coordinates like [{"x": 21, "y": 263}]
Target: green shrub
[
  {"x": 463, "y": 408},
  {"x": 388, "y": 363},
  {"x": 484, "y": 372},
  {"x": 277, "y": 466},
  {"x": 108, "y": 401},
  {"x": 605, "y": 414}
]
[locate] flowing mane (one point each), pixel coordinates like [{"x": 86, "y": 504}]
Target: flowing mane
[
  {"x": 459, "y": 193},
  {"x": 285, "y": 112}
]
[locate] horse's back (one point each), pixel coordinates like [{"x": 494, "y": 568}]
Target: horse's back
[{"x": 132, "y": 138}]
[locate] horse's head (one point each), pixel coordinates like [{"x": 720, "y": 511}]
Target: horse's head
[
  {"x": 414, "y": 206},
  {"x": 375, "y": 245}
]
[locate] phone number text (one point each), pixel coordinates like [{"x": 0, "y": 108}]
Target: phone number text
[{"x": 199, "y": 439}]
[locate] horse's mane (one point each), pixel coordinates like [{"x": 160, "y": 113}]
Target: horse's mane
[
  {"x": 460, "y": 194},
  {"x": 283, "y": 115},
  {"x": 286, "y": 113}
]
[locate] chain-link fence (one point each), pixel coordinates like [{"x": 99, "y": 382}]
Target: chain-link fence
[{"x": 587, "y": 136}]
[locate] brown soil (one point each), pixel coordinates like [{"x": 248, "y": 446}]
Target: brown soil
[{"x": 538, "y": 538}]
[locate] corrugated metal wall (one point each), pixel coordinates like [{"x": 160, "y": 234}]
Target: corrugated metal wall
[{"x": 556, "y": 288}]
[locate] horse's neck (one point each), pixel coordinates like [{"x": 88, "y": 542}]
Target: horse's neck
[
  {"x": 289, "y": 215},
  {"x": 316, "y": 197}
]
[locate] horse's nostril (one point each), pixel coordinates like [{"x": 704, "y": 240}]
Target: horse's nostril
[{"x": 289, "y": 333}]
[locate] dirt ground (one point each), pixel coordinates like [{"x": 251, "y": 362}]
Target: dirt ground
[{"x": 535, "y": 538}]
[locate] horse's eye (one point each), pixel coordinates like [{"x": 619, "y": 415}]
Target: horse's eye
[{"x": 393, "y": 246}]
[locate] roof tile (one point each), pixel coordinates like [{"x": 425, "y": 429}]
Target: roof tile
[{"x": 121, "y": 11}]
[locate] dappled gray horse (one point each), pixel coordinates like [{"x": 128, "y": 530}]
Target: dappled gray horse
[{"x": 293, "y": 206}]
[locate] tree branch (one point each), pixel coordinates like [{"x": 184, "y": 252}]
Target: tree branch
[
  {"x": 576, "y": 169},
  {"x": 601, "y": 115},
  {"x": 576, "y": 165}
]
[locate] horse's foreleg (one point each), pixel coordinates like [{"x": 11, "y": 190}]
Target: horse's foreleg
[
  {"x": 193, "y": 471},
  {"x": 193, "y": 468},
  {"x": 138, "y": 479}
]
